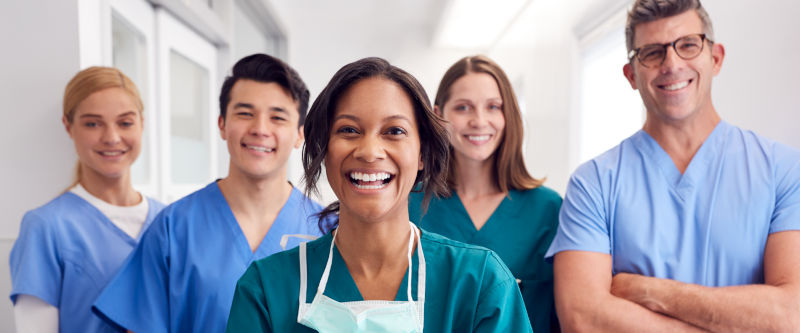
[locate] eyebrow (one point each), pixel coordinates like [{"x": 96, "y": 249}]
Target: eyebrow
[
  {"x": 354, "y": 118},
  {"x": 252, "y": 107},
  {"x": 90, "y": 115}
]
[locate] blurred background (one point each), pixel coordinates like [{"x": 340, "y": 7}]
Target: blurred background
[{"x": 564, "y": 59}]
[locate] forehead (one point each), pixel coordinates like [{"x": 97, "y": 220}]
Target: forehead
[
  {"x": 107, "y": 102},
  {"x": 261, "y": 94},
  {"x": 668, "y": 29},
  {"x": 375, "y": 98},
  {"x": 475, "y": 85}
]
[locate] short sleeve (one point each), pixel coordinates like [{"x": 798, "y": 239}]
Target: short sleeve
[
  {"x": 500, "y": 307},
  {"x": 249, "y": 311},
  {"x": 786, "y": 215},
  {"x": 137, "y": 298},
  {"x": 582, "y": 219},
  {"x": 36, "y": 267}
]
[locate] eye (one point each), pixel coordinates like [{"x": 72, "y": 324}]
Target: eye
[
  {"x": 126, "y": 123},
  {"x": 91, "y": 124},
  {"x": 496, "y": 107},
  {"x": 347, "y": 130},
  {"x": 277, "y": 118},
  {"x": 651, "y": 53},
  {"x": 396, "y": 130},
  {"x": 461, "y": 108},
  {"x": 244, "y": 114}
]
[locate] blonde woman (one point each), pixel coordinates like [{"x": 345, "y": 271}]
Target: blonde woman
[{"x": 70, "y": 248}]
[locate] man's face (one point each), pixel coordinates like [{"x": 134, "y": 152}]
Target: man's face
[
  {"x": 677, "y": 89},
  {"x": 261, "y": 129}
]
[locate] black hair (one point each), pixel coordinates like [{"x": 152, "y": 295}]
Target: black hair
[{"x": 265, "y": 68}]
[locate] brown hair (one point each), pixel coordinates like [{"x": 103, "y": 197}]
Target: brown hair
[
  {"x": 433, "y": 136},
  {"x": 509, "y": 165},
  {"x": 90, "y": 81},
  {"x": 644, "y": 11}
]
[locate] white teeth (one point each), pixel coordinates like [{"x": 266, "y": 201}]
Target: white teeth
[
  {"x": 369, "y": 177},
  {"x": 111, "y": 153},
  {"x": 370, "y": 187},
  {"x": 676, "y": 86},
  {"x": 478, "y": 137},
  {"x": 260, "y": 148}
]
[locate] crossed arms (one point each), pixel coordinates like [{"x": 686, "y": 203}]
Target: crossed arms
[{"x": 589, "y": 299}]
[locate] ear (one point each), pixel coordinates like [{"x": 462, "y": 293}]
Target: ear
[
  {"x": 437, "y": 110},
  {"x": 221, "y": 125},
  {"x": 421, "y": 165},
  {"x": 67, "y": 125},
  {"x": 300, "y": 138},
  {"x": 627, "y": 70},
  {"x": 718, "y": 55}
]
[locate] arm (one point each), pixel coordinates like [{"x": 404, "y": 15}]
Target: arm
[
  {"x": 585, "y": 304},
  {"x": 249, "y": 312},
  {"x": 770, "y": 307},
  {"x": 31, "y": 314}
]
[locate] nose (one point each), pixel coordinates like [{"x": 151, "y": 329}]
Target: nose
[
  {"x": 111, "y": 136},
  {"x": 671, "y": 61},
  {"x": 478, "y": 118},
  {"x": 369, "y": 149},
  {"x": 260, "y": 126}
]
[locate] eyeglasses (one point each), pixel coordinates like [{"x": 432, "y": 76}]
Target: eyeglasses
[{"x": 687, "y": 47}]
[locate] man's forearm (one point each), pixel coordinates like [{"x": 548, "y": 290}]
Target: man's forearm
[{"x": 749, "y": 308}]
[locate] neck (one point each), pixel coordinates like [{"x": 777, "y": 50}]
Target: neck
[
  {"x": 372, "y": 247},
  {"x": 681, "y": 139},
  {"x": 117, "y": 191},
  {"x": 474, "y": 178},
  {"x": 254, "y": 197}
]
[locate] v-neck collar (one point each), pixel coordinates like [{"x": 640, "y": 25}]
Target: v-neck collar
[
  {"x": 108, "y": 223},
  {"x": 697, "y": 167},
  {"x": 271, "y": 239},
  {"x": 490, "y": 223}
]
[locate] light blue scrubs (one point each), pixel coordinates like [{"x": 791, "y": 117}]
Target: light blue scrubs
[
  {"x": 182, "y": 276},
  {"x": 67, "y": 251},
  {"x": 467, "y": 289},
  {"x": 708, "y": 226}
]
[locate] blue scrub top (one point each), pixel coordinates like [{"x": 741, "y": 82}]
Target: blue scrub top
[
  {"x": 182, "y": 276},
  {"x": 67, "y": 251},
  {"x": 519, "y": 231},
  {"x": 467, "y": 289},
  {"x": 707, "y": 226}
]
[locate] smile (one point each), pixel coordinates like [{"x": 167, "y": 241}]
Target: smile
[
  {"x": 111, "y": 153},
  {"x": 259, "y": 148},
  {"x": 478, "y": 139},
  {"x": 675, "y": 86},
  {"x": 371, "y": 180}
]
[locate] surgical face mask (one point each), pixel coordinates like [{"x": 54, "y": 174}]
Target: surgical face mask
[{"x": 327, "y": 315}]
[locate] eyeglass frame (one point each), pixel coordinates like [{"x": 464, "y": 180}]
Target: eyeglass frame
[{"x": 635, "y": 52}]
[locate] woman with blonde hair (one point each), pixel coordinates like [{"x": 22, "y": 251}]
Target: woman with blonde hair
[
  {"x": 72, "y": 246},
  {"x": 493, "y": 202}
]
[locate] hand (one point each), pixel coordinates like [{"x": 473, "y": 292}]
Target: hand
[{"x": 636, "y": 288}]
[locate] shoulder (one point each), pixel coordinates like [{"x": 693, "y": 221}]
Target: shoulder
[
  {"x": 538, "y": 194},
  {"x": 65, "y": 207},
  {"x": 461, "y": 256},
  {"x": 301, "y": 200},
  {"x": 155, "y": 205}
]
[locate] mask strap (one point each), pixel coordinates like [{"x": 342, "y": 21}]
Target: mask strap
[
  {"x": 302, "y": 296},
  {"x": 324, "y": 280},
  {"x": 411, "y": 234}
]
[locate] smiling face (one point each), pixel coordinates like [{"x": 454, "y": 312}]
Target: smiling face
[
  {"x": 474, "y": 115},
  {"x": 106, "y": 129},
  {"x": 261, "y": 129},
  {"x": 678, "y": 89},
  {"x": 373, "y": 151}
]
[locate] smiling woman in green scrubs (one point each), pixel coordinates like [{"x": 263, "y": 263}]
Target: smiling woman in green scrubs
[
  {"x": 374, "y": 130},
  {"x": 494, "y": 202}
]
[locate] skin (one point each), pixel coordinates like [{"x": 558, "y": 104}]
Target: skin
[
  {"x": 475, "y": 109},
  {"x": 261, "y": 130},
  {"x": 107, "y": 132},
  {"x": 374, "y": 130},
  {"x": 588, "y": 298}
]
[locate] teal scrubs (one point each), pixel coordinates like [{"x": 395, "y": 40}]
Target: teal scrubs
[
  {"x": 467, "y": 289},
  {"x": 519, "y": 231}
]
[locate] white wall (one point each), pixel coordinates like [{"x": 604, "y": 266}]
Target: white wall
[{"x": 40, "y": 55}]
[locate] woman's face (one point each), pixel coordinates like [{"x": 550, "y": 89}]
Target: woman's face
[
  {"x": 474, "y": 115},
  {"x": 373, "y": 151},
  {"x": 107, "y": 131}
]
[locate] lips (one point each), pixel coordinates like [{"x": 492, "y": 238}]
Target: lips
[
  {"x": 478, "y": 139},
  {"x": 370, "y": 180},
  {"x": 675, "y": 86},
  {"x": 111, "y": 153}
]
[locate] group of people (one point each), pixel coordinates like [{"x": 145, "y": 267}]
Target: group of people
[{"x": 691, "y": 224}]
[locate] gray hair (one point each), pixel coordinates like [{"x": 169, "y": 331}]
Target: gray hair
[{"x": 644, "y": 11}]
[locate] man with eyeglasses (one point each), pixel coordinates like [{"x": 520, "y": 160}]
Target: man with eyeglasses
[{"x": 691, "y": 224}]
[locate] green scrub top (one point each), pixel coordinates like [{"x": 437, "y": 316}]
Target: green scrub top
[
  {"x": 519, "y": 231},
  {"x": 468, "y": 289}
]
